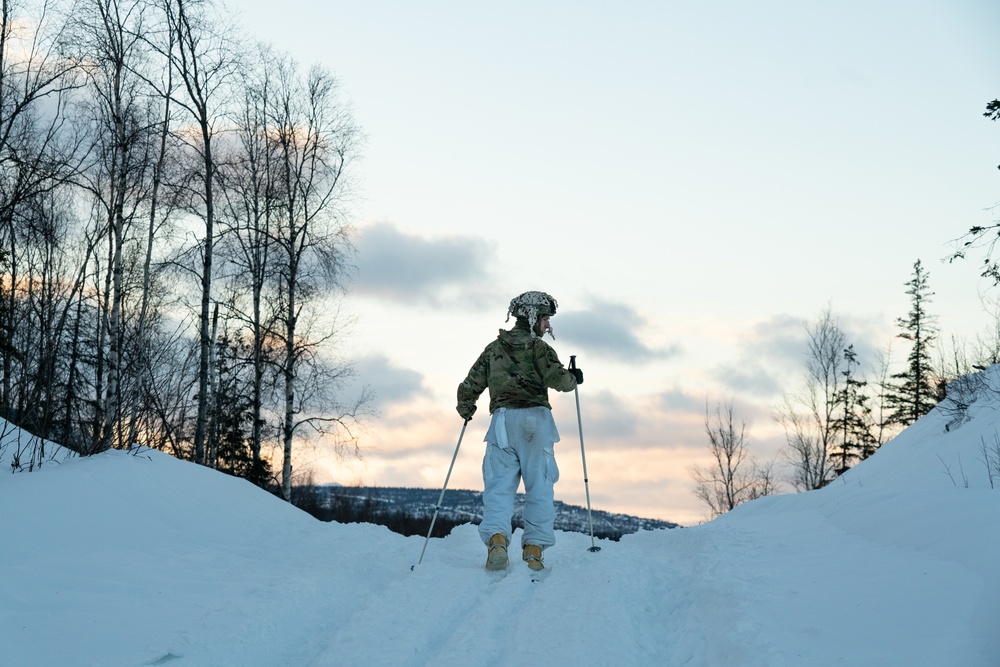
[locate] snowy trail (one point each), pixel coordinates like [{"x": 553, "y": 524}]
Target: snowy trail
[
  {"x": 740, "y": 591},
  {"x": 146, "y": 560},
  {"x": 449, "y": 608}
]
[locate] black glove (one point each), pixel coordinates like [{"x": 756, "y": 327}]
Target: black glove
[
  {"x": 578, "y": 374},
  {"x": 466, "y": 411}
]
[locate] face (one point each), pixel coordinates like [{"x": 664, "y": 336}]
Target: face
[{"x": 543, "y": 324}]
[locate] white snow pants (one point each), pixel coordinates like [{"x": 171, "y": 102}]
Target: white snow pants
[{"x": 520, "y": 445}]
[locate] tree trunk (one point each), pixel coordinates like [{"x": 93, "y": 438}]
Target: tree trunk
[{"x": 289, "y": 371}]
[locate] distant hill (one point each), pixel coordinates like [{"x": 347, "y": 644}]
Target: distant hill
[{"x": 373, "y": 503}]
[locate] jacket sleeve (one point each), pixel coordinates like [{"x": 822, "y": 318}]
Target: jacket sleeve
[
  {"x": 472, "y": 386},
  {"x": 553, "y": 372}
]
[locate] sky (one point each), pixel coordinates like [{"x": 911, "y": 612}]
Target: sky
[
  {"x": 693, "y": 182},
  {"x": 125, "y": 559}
]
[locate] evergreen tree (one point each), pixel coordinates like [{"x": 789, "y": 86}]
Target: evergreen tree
[
  {"x": 232, "y": 424},
  {"x": 856, "y": 441},
  {"x": 5, "y": 345},
  {"x": 913, "y": 395}
]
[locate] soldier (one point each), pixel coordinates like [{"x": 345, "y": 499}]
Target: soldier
[{"x": 519, "y": 368}]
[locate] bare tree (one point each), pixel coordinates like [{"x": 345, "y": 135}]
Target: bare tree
[
  {"x": 162, "y": 158},
  {"x": 734, "y": 476},
  {"x": 807, "y": 458},
  {"x": 124, "y": 138},
  {"x": 205, "y": 62},
  {"x": 315, "y": 139},
  {"x": 166, "y": 418},
  {"x": 810, "y": 420},
  {"x": 48, "y": 297},
  {"x": 249, "y": 187},
  {"x": 133, "y": 118},
  {"x": 883, "y": 427},
  {"x": 986, "y": 348},
  {"x": 824, "y": 364},
  {"x": 36, "y": 150},
  {"x": 983, "y": 236}
]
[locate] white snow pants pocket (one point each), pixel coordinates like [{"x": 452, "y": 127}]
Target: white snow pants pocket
[
  {"x": 551, "y": 469},
  {"x": 498, "y": 462}
]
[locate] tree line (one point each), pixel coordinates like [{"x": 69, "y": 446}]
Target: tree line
[
  {"x": 842, "y": 417},
  {"x": 173, "y": 236}
]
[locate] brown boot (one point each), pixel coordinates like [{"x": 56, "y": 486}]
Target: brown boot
[
  {"x": 496, "y": 558},
  {"x": 533, "y": 556}
]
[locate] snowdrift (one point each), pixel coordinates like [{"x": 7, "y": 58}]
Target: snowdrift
[{"x": 124, "y": 559}]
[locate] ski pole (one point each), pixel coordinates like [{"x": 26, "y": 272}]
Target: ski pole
[
  {"x": 437, "y": 507},
  {"x": 583, "y": 454}
]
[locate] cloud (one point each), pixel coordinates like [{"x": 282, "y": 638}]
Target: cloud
[
  {"x": 390, "y": 384},
  {"x": 608, "y": 329},
  {"x": 679, "y": 401},
  {"x": 771, "y": 352},
  {"x": 782, "y": 338},
  {"x": 751, "y": 379},
  {"x": 606, "y": 416},
  {"x": 409, "y": 269}
]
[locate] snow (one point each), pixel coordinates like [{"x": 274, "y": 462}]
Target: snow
[{"x": 124, "y": 559}]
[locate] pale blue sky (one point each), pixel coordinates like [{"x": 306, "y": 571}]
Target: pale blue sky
[{"x": 692, "y": 181}]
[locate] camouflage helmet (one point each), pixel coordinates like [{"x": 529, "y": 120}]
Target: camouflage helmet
[{"x": 530, "y": 305}]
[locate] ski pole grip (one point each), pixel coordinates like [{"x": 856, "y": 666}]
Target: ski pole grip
[{"x": 572, "y": 361}]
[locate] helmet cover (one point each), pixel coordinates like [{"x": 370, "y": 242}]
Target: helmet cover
[{"x": 530, "y": 305}]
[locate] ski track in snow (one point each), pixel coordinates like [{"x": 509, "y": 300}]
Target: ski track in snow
[
  {"x": 145, "y": 560},
  {"x": 504, "y": 620}
]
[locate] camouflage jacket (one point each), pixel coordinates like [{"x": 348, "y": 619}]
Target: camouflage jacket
[{"x": 518, "y": 369}]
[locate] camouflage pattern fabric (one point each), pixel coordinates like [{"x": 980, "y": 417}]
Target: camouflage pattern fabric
[{"x": 518, "y": 369}]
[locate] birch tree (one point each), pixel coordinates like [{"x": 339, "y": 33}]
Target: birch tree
[
  {"x": 249, "y": 195},
  {"x": 36, "y": 151},
  {"x": 734, "y": 476},
  {"x": 205, "y": 62},
  {"x": 124, "y": 150},
  {"x": 315, "y": 141},
  {"x": 810, "y": 419}
]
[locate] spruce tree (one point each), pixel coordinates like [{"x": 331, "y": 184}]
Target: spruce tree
[
  {"x": 230, "y": 436},
  {"x": 5, "y": 345},
  {"x": 912, "y": 395},
  {"x": 856, "y": 441}
]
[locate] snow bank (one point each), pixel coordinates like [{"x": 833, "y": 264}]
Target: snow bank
[{"x": 121, "y": 559}]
